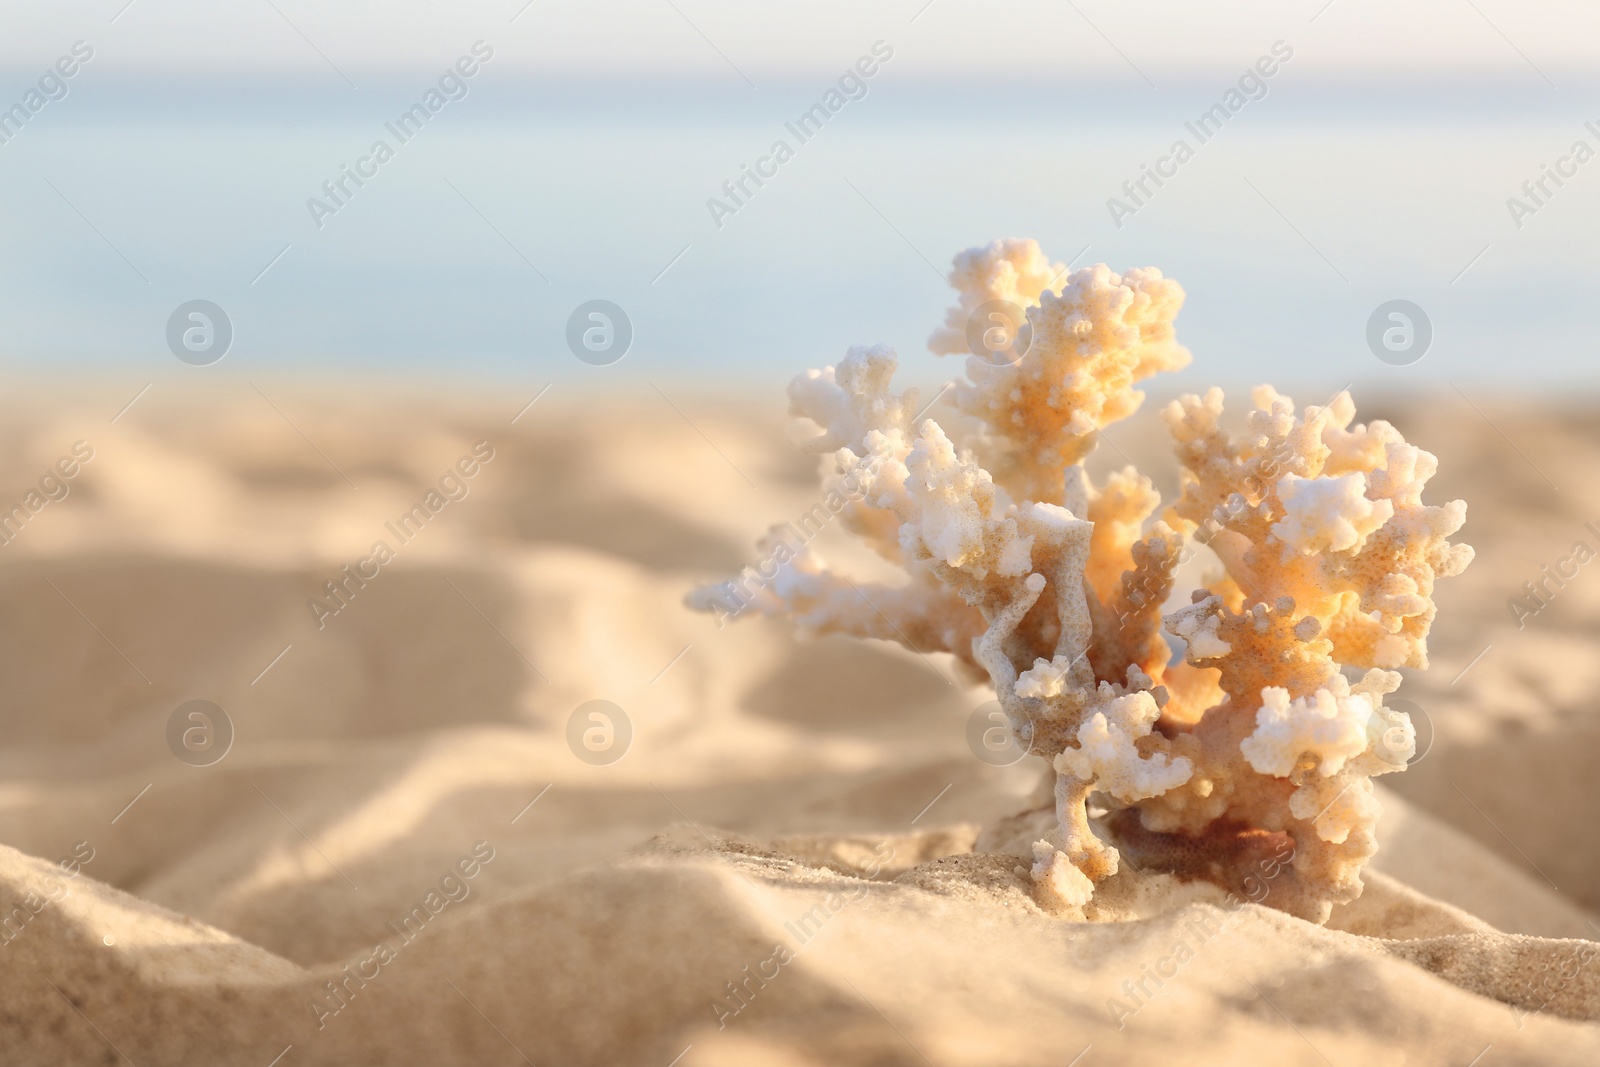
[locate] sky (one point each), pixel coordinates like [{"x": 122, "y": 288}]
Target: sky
[
  {"x": 1122, "y": 44},
  {"x": 585, "y": 156}
]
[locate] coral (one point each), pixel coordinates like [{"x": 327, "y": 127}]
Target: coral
[{"x": 1268, "y": 730}]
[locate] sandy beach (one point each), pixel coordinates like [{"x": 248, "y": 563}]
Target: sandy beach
[{"x": 399, "y": 843}]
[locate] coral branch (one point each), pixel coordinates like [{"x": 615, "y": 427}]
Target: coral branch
[{"x": 1017, "y": 564}]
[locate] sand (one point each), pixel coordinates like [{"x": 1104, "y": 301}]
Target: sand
[{"x": 799, "y": 821}]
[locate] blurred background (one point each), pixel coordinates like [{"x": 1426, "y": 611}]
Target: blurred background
[{"x": 576, "y": 163}]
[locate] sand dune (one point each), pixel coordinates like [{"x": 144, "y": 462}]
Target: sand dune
[{"x": 798, "y": 820}]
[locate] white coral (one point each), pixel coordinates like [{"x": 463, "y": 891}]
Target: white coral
[
  {"x": 851, "y": 399},
  {"x": 1107, "y": 755},
  {"x": 1328, "y": 514},
  {"x": 1199, "y": 625},
  {"x": 1060, "y": 883},
  {"x": 1087, "y": 346},
  {"x": 1046, "y": 678},
  {"x": 955, "y": 498},
  {"x": 1336, "y": 806},
  {"x": 1330, "y": 727},
  {"x": 1019, "y": 564},
  {"x": 1012, "y": 269}
]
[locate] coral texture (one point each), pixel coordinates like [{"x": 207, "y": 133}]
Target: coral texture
[{"x": 1268, "y": 731}]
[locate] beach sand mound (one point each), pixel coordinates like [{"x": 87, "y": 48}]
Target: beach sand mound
[{"x": 407, "y": 854}]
